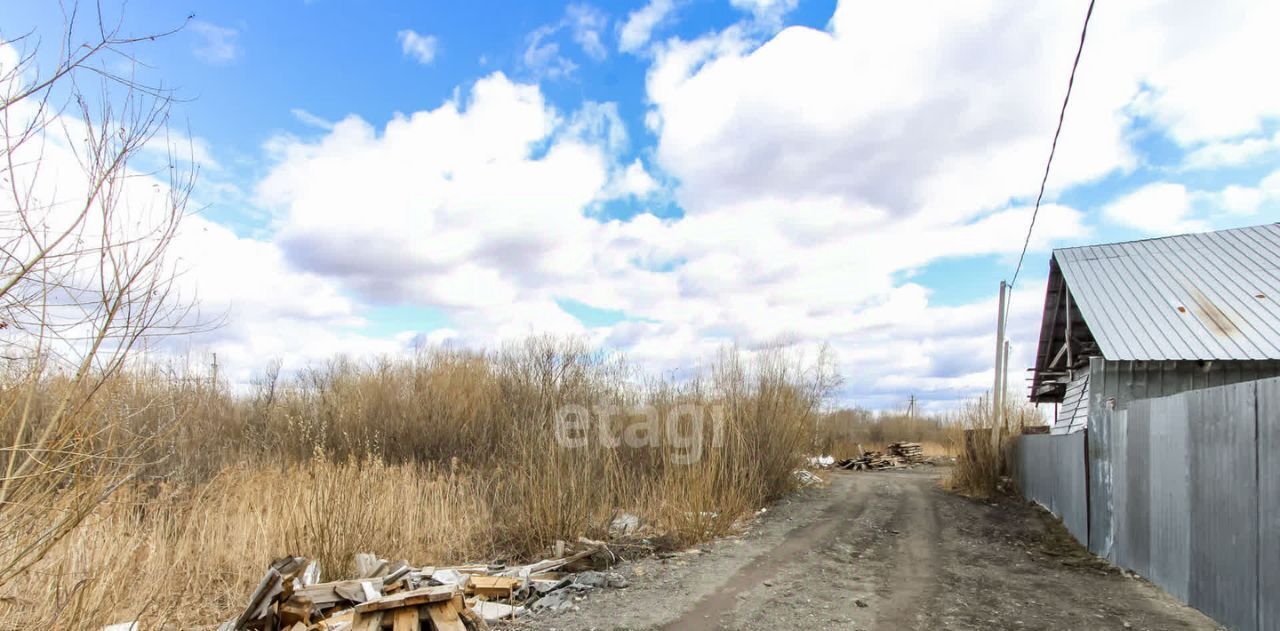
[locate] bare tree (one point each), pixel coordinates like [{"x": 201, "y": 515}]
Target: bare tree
[{"x": 86, "y": 275}]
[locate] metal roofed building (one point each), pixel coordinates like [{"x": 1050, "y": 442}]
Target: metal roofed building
[{"x": 1143, "y": 319}]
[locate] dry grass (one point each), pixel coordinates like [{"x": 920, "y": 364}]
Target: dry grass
[
  {"x": 157, "y": 552},
  {"x": 982, "y": 462},
  {"x": 449, "y": 457},
  {"x": 840, "y": 433}
]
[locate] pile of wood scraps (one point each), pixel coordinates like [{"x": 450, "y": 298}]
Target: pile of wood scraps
[
  {"x": 397, "y": 596},
  {"x": 913, "y": 453},
  {"x": 896, "y": 455}
]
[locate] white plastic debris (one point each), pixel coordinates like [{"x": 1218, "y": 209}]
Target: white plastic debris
[
  {"x": 449, "y": 577},
  {"x": 493, "y": 612},
  {"x": 806, "y": 478},
  {"x": 822, "y": 462},
  {"x": 122, "y": 626},
  {"x": 624, "y": 524},
  {"x": 311, "y": 575}
]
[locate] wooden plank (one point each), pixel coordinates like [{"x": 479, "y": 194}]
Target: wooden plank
[
  {"x": 347, "y": 616},
  {"x": 492, "y": 586},
  {"x": 321, "y": 594},
  {"x": 445, "y": 617},
  {"x": 405, "y": 619},
  {"x": 409, "y": 599},
  {"x": 366, "y": 622},
  {"x": 494, "y": 582},
  {"x": 268, "y": 588},
  {"x": 296, "y": 609},
  {"x": 326, "y": 594},
  {"x": 548, "y": 565}
]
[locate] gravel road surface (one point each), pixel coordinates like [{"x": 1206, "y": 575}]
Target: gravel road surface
[{"x": 881, "y": 550}]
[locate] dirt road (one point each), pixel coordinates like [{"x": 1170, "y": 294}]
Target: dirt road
[{"x": 884, "y": 550}]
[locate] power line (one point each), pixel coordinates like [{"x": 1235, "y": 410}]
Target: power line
[
  {"x": 1054, "y": 148},
  {"x": 1002, "y": 354}
]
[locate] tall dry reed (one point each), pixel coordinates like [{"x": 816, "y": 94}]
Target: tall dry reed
[
  {"x": 445, "y": 457},
  {"x": 840, "y": 432},
  {"x": 984, "y": 457}
]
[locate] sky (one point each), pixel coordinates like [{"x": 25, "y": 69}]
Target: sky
[{"x": 669, "y": 177}]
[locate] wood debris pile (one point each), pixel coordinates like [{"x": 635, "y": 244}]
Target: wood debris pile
[
  {"x": 397, "y": 596},
  {"x": 913, "y": 453},
  {"x": 894, "y": 456}
]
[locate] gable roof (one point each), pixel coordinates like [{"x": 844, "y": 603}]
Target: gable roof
[{"x": 1209, "y": 296}]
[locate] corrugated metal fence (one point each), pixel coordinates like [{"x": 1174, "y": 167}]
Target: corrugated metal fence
[
  {"x": 1184, "y": 490},
  {"x": 1051, "y": 472}
]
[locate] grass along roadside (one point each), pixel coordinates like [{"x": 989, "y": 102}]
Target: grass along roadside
[
  {"x": 983, "y": 462},
  {"x": 443, "y": 458}
]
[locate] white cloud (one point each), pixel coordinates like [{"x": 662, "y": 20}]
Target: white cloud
[
  {"x": 430, "y": 203},
  {"x": 543, "y": 54},
  {"x": 1240, "y": 200},
  {"x": 741, "y": 122},
  {"x": 818, "y": 172},
  {"x": 311, "y": 120},
  {"x": 1200, "y": 65},
  {"x": 788, "y": 250},
  {"x": 1270, "y": 185},
  {"x": 634, "y": 181},
  {"x": 588, "y": 25},
  {"x": 933, "y": 116},
  {"x": 422, "y": 48},
  {"x": 1162, "y": 208},
  {"x": 1232, "y": 152},
  {"x": 267, "y": 307},
  {"x": 216, "y": 44},
  {"x": 636, "y": 31},
  {"x": 766, "y": 11},
  {"x": 599, "y": 124},
  {"x": 817, "y": 166}
]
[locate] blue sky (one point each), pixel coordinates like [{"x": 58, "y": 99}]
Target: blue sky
[{"x": 665, "y": 177}]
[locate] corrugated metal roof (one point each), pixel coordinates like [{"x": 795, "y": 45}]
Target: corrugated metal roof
[{"x": 1214, "y": 295}]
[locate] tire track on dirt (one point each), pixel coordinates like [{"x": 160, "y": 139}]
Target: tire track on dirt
[
  {"x": 914, "y": 579},
  {"x": 848, "y": 566},
  {"x": 845, "y": 507}
]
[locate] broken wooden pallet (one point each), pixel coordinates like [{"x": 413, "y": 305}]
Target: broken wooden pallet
[{"x": 406, "y": 611}]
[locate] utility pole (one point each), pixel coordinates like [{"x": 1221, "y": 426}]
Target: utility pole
[
  {"x": 1004, "y": 383},
  {"x": 997, "y": 392},
  {"x": 911, "y": 407},
  {"x": 215, "y": 371}
]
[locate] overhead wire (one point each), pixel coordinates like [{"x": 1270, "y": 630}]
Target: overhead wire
[
  {"x": 1053, "y": 149},
  {"x": 1044, "y": 180}
]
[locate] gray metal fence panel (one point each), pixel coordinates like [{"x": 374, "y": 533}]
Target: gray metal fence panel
[
  {"x": 1170, "y": 542},
  {"x": 1135, "y": 534},
  {"x": 1268, "y": 450},
  {"x": 1185, "y": 489},
  {"x": 1119, "y": 485},
  {"x": 1224, "y": 504},
  {"x": 1072, "y": 491},
  {"x": 1051, "y": 471},
  {"x": 1101, "y": 507}
]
